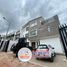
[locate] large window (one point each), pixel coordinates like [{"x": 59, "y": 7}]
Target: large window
[
  {"x": 27, "y": 35},
  {"x": 33, "y": 33},
  {"x": 33, "y": 24},
  {"x": 42, "y": 22}
]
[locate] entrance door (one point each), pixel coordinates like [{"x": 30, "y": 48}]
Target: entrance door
[{"x": 34, "y": 44}]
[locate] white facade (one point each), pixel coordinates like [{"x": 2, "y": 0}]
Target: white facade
[
  {"x": 23, "y": 32},
  {"x": 54, "y": 42},
  {"x": 12, "y": 43}
]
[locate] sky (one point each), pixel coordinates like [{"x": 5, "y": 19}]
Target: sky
[{"x": 19, "y": 12}]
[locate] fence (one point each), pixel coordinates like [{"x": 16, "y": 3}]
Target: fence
[{"x": 63, "y": 35}]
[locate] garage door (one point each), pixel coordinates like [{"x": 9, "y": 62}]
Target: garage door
[{"x": 55, "y": 42}]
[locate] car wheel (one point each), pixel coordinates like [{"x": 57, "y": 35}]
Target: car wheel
[
  {"x": 52, "y": 59},
  {"x": 37, "y": 58},
  {"x": 54, "y": 54}
]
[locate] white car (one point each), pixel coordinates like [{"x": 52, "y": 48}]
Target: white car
[{"x": 45, "y": 51}]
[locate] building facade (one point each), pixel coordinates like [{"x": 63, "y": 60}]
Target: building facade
[{"x": 41, "y": 31}]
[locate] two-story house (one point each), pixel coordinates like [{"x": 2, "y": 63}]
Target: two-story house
[{"x": 41, "y": 31}]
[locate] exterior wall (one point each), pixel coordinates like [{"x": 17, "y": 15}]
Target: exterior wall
[
  {"x": 48, "y": 29},
  {"x": 38, "y": 23},
  {"x": 54, "y": 42},
  {"x": 23, "y": 32},
  {"x": 29, "y": 42},
  {"x": 44, "y": 28}
]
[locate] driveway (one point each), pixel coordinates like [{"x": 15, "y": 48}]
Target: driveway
[{"x": 60, "y": 61}]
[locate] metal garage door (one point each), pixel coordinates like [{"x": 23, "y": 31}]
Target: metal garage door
[{"x": 55, "y": 42}]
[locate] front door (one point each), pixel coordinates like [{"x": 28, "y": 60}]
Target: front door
[{"x": 34, "y": 45}]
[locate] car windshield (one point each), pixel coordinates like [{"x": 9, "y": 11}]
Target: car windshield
[{"x": 42, "y": 46}]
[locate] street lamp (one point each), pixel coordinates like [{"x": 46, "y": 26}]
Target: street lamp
[{"x": 7, "y": 28}]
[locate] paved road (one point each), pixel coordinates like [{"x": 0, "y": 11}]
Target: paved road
[{"x": 58, "y": 62}]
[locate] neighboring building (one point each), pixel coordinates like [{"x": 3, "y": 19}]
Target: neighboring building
[
  {"x": 11, "y": 36},
  {"x": 14, "y": 35},
  {"x": 3, "y": 37},
  {"x": 40, "y": 31},
  {"x": 17, "y": 35}
]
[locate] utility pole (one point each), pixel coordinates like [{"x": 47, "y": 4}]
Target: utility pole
[{"x": 7, "y": 28}]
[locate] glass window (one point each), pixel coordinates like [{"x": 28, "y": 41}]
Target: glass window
[
  {"x": 27, "y": 35},
  {"x": 49, "y": 29},
  {"x": 42, "y": 47},
  {"x": 33, "y": 33},
  {"x": 34, "y": 24}
]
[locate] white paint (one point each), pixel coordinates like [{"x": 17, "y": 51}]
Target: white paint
[
  {"x": 23, "y": 32},
  {"x": 33, "y": 24},
  {"x": 10, "y": 44},
  {"x": 29, "y": 42},
  {"x": 54, "y": 42}
]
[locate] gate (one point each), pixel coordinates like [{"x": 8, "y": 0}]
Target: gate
[{"x": 63, "y": 36}]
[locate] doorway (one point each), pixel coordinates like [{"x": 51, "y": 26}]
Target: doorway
[{"x": 33, "y": 45}]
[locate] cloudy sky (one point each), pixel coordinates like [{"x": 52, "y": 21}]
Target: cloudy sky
[{"x": 18, "y": 12}]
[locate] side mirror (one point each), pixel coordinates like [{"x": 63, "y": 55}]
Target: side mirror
[{"x": 52, "y": 47}]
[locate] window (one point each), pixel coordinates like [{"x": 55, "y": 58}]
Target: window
[
  {"x": 27, "y": 28},
  {"x": 49, "y": 29},
  {"x": 27, "y": 35},
  {"x": 42, "y": 47},
  {"x": 34, "y": 24},
  {"x": 33, "y": 33},
  {"x": 42, "y": 22}
]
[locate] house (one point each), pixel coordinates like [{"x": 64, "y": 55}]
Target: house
[
  {"x": 17, "y": 35},
  {"x": 11, "y": 36},
  {"x": 41, "y": 31},
  {"x": 25, "y": 31}
]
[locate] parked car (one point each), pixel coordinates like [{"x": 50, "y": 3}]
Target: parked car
[{"x": 45, "y": 51}]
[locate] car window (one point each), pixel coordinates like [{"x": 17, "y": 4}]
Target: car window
[{"x": 42, "y": 47}]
